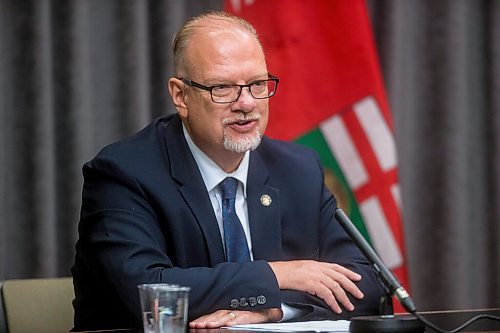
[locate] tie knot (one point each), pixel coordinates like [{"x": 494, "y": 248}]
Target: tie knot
[{"x": 228, "y": 188}]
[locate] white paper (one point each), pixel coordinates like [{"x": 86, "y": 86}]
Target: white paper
[{"x": 316, "y": 326}]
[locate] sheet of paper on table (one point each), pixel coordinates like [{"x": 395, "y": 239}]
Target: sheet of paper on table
[{"x": 315, "y": 326}]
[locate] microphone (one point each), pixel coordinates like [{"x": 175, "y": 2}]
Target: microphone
[{"x": 391, "y": 284}]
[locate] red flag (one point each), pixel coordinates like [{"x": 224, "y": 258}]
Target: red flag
[{"x": 332, "y": 98}]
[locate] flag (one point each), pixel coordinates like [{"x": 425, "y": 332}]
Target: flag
[{"x": 331, "y": 97}]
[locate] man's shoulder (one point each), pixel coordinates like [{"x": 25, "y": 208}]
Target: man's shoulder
[
  {"x": 287, "y": 158},
  {"x": 142, "y": 143},
  {"x": 285, "y": 150},
  {"x": 289, "y": 166},
  {"x": 142, "y": 153}
]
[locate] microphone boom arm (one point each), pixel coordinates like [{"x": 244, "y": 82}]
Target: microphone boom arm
[{"x": 390, "y": 281}]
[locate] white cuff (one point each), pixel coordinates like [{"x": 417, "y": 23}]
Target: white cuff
[{"x": 290, "y": 312}]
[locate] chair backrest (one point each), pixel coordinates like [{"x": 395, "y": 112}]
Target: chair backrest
[
  {"x": 3, "y": 320},
  {"x": 38, "y": 305}
]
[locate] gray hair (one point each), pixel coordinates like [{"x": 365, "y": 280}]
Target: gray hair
[{"x": 183, "y": 36}]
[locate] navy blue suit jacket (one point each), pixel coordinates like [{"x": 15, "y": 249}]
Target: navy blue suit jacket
[{"x": 146, "y": 217}]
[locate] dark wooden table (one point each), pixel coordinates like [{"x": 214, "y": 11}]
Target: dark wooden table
[{"x": 444, "y": 319}]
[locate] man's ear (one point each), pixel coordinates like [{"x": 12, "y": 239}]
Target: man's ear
[{"x": 176, "y": 89}]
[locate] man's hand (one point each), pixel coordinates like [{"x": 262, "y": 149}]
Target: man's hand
[
  {"x": 330, "y": 282},
  {"x": 232, "y": 317}
]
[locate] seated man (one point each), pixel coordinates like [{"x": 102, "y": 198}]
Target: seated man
[{"x": 202, "y": 199}]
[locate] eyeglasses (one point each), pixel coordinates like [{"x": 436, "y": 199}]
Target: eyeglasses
[{"x": 228, "y": 93}]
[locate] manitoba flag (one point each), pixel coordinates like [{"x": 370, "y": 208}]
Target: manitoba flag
[{"x": 331, "y": 98}]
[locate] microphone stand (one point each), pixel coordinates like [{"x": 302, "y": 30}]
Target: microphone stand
[
  {"x": 385, "y": 306},
  {"x": 386, "y": 321}
]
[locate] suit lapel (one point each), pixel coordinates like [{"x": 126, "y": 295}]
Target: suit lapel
[
  {"x": 263, "y": 214},
  {"x": 192, "y": 188}
]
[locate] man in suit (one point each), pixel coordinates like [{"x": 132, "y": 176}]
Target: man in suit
[{"x": 155, "y": 207}]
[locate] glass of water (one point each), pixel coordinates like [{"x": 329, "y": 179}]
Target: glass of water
[{"x": 164, "y": 307}]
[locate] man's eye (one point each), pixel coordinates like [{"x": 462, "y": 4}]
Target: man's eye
[
  {"x": 222, "y": 87},
  {"x": 259, "y": 83},
  {"x": 223, "y": 90}
]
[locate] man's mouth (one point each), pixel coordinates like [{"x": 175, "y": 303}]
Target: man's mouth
[
  {"x": 242, "y": 122},
  {"x": 242, "y": 125}
]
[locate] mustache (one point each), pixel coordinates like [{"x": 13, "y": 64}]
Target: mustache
[{"x": 243, "y": 117}]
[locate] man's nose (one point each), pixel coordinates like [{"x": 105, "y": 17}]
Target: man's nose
[{"x": 246, "y": 102}]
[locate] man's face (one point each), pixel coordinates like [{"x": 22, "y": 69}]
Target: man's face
[{"x": 215, "y": 57}]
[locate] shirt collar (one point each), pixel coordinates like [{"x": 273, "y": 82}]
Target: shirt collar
[{"x": 211, "y": 173}]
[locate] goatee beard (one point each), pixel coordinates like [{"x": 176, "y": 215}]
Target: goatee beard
[{"x": 244, "y": 144}]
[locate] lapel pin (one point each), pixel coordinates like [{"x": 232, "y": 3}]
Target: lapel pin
[{"x": 265, "y": 200}]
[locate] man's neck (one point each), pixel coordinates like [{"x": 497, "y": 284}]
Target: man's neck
[
  {"x": 225, "y": 159},
  {"x": 228, "y": 161}
]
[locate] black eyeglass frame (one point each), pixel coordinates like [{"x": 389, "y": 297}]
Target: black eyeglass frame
[{"x": 241, "y": 86}]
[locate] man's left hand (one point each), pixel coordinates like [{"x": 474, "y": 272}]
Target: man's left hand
[{"x": 231, "y": 317}]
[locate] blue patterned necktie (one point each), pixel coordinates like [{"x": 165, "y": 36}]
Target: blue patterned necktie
[{"x": 234, "y": 236}]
